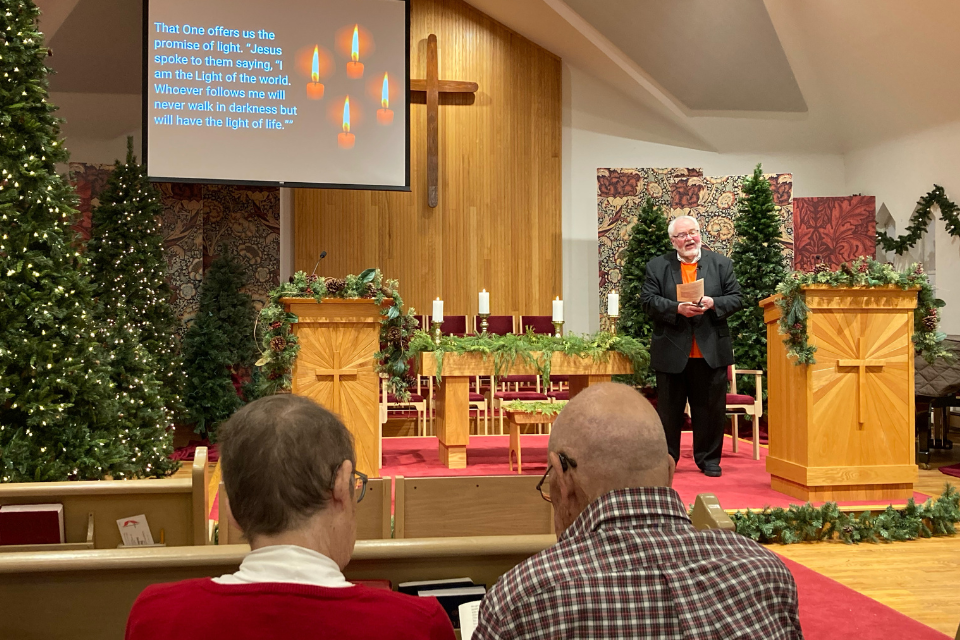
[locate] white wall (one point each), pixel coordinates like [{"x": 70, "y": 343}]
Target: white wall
[
  {"x": 602, "y": 128},
  {"x": 899, "y": 172}
]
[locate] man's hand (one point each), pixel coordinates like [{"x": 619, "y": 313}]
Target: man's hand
[
  {"x": 706, "y": 302},
  {"x": 689, "y": 310}
]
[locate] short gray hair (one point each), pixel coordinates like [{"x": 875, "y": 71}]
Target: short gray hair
[
  {"x": 673, "y": 223},
  {"x": 280, "y": 456}
]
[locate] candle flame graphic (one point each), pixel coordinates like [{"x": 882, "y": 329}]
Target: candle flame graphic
[
  {"x": 355, "y": 52},
  {"x": 315, "y": 72},
  {"x": 385, "y": 98},
  {"x": 346, "y": 115}
]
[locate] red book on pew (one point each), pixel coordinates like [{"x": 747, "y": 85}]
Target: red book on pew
[{"x": 31, "y": 524}]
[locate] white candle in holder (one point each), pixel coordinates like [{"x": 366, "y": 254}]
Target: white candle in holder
[
  {"x": 484, "y": 302},
  {"x": 438, "y": 310},
  {"x": 613, "y": 305},
  {"x": 558, "y": 310}
]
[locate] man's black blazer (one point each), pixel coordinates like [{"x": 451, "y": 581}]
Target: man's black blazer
[{"x": 672, "y": 332}]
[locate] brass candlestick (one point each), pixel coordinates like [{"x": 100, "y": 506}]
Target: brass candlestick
[
  {"x": 612, "y": 324},
  {"x": 558, "y": 328},
  {"x": 435, "y": 330},
  {"x": 484, "y": 324}
]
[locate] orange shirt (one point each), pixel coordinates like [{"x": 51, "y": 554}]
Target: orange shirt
[{"x": 689, "y": 274}]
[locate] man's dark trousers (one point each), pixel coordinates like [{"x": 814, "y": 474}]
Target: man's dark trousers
[{"x": 706, "y": 389}]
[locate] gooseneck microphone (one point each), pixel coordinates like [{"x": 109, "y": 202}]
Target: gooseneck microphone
[{"x": 323, "y": 254}]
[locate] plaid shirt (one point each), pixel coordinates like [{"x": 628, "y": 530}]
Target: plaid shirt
[{"x": 633, "y": 566}]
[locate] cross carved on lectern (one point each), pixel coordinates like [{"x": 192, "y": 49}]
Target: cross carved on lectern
[
  {"x": 433, "y": 86},
  {"x": 862, "y": 364},
  {"x": 336, "y": 372}
]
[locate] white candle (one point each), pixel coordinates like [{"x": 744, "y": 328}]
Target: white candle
[
  {"x": 613, "y": 305},
  {"x": 484, "y": 301},
  {"x": 558, "y": 310},
  {"x": 438, "y": 310}
]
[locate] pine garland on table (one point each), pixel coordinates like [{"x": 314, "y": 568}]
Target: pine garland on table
[
  {"x": 862, "y": 272},
  {"x": 920, "y": 220},
  {"x": 814, "y": 524},
  {"x": 648, "y": 240},
  {"x": 61, "y": 415},
  {"x": 280, "y": 345},
  {"x": 544, "y": 408},
  {"x": 219, "y": 348},
  {"x": 760, "y": 266}
]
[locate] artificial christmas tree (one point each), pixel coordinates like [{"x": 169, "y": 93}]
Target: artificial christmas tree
[
  {"x": 59, "y": 409},
  {"x": 760, "y": 266},
  {"x": 648, "y": 239},
  {"x": 219, "y": 349},
  {"x": 128, "y": 268}
]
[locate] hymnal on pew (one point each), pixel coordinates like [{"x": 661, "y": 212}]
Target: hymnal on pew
[
  {"x": 31, "y": 524},
  {"x": 451, "y": 599},
  {"x": 411, "y": 588}
]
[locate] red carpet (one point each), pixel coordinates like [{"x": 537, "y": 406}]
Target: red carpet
[
  {"x": 830, "y": 610},
  {"x": 744, "y": 484},
  {"x": 952, "y": 470}
]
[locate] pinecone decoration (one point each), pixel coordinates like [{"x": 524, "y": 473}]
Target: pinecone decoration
[
  {"x": 371, "y": 290},
  {"x": 276, "y": 324},
  {"x": 822, "y": 267},
  {"x": 863, "y": 268},
  {"x": 279, "y": 343},
  {"x": 385, "y": 290},
  {"x": 919, "y": 269},
  {"x": 335, "y": 286},
  {"x": 394, "y": 335},
  {"x": 930, "y": 321},
  {"x": 312, "y": 278}
]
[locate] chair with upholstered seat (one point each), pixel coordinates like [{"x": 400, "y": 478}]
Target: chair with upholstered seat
[
  {"x": 540, "y": 324},
  {"x": 741, "y": 404}
]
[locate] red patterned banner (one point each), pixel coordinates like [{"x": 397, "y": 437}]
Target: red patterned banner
[{"x": 833, "y": 230}]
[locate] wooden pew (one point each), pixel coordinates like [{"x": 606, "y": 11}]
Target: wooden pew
[
  {"x": 373, "y": 514},
  {"x": 87, "y": 595},
  {"x": 176, "y": 505},
  {"x": 470, "y": 506}
]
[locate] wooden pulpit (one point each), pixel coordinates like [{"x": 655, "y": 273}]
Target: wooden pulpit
[
  {"x": 335, "y": 366},
  {"x": 843, "y": 428}
]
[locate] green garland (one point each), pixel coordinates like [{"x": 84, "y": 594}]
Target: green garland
[
  {"x": 920, "y": 220},
  {"x": 863, "y": 272},
  {"x": 545, "y": 408},
  {"x": 813, "y": 524},
  {"x": 280, "y": 346},
  {"x": 507, "y": 350}
]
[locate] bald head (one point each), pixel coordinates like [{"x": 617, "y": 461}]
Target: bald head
[{"x": 616, "y": 438}]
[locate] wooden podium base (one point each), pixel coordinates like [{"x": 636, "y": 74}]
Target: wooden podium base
[
  {"x": 850, "y": 483},
  {"x": 453, "y": 456}
]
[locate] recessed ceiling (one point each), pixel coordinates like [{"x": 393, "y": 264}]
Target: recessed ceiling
[{"x": 710, "y": 55}]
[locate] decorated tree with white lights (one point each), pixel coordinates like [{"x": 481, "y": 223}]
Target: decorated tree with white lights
[
  {"x": 128, "y": 268},
  {"x": 61, "y": 414}
]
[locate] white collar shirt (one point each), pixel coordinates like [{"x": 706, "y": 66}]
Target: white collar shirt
[{"x": 286, "y": 563}]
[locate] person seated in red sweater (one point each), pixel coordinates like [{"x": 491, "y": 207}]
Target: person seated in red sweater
[{"x": 288, "y": 470}]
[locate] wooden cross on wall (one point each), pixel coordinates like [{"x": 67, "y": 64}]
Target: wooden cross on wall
[{"x": 433, "y": 86}]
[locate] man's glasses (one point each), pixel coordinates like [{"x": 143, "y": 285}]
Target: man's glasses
[
  {"x": 359, "y": 484},
  {"x": 685, "y": 235},
  {"x": 543, "y": 486}
]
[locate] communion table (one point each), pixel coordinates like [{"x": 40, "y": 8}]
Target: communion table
[
  {"x": 335, "y": 366},
  {"x": 452, "y": 398},
  {"x": 843, "y": 428}
]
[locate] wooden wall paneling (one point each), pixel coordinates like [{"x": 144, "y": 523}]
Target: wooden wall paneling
[{"x": 498, "y": 223}]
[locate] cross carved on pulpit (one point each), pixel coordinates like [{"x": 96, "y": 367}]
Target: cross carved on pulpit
[
  {"x": 862, "y": 364},
  {"x": 336, "y": 372},
  {"x": 433, "y": 86}
]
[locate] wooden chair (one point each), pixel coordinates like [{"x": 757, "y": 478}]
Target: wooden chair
[
  {"x": 374, "y": 517},
  {"x": 530, "y": 393},
  {"x": 417, "y": 401},
  {"x": 497, "y": 325},
  {"x": 540, "y": 324},
  {"x": 470, "y": 506},
  {"x": 737, "y": 404}
]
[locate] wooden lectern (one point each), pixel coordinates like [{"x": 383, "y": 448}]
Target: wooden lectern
[
  {"x": 843, "y": 428},
  {"x": 335, "y": 366}
]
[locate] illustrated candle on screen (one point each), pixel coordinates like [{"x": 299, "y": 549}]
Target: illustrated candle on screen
[
  {"x": 385, "y": 115},
  {"x": 315, "y": 89},
  {"x": 355, "y": 67},
  {"x": 346, "y": 139}
]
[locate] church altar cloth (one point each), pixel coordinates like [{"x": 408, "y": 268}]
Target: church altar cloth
[{"x": 452, "y": 397}]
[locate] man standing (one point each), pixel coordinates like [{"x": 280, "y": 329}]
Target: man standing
[
  {"x": 691, "y": 346},
  {"x": 628, "y": 563}
]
